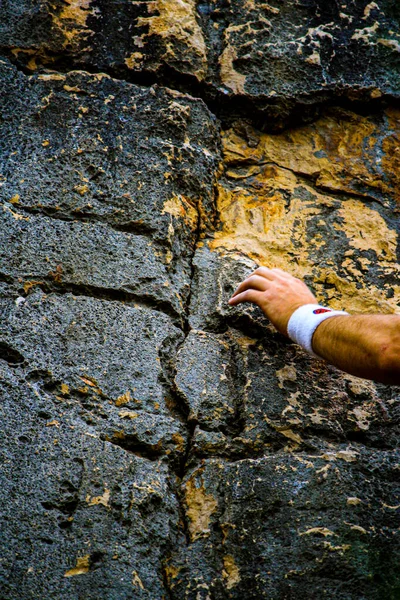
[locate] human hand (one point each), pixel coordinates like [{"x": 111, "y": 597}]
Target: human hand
[{"x": 277, "y": 293}]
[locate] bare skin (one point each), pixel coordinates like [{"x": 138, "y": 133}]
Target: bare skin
[{"x": 367, "y": 346}]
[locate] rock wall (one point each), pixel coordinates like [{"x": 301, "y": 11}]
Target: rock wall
[{"x": 156, "y": 443}]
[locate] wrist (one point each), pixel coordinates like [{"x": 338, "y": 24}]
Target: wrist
[{"x": 305, "y": 320}]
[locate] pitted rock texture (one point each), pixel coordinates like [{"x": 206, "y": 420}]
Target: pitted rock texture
[
  {"x": 157, "y": 443},
  {"x": 86, "y": 147},
  {"x": 290, "y": 526},
  {"x": 277, "y": 55},
  {"x": 81, "y": 510}
]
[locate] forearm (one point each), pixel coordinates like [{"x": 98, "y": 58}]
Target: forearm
[
  {"x": 366, "y": 345},
  {"x": 363, "y": 345}
]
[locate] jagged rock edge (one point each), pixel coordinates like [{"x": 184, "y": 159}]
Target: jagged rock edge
[{"x": 255, "y": 111}]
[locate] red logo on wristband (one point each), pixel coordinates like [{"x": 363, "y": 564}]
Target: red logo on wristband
[{"x": 319, "y": 311}]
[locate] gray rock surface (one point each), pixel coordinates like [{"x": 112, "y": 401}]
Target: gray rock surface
[
  {"x": 291, "y": 526},
  {"x": 103, "y": 359},
  {"x": 155, "y": 442},
  {"x": 91, "y": 258},
  {"x": 89, "y": 148},
  {"x": 277, "y": 55},
  {"x": 79, "y": 511}
]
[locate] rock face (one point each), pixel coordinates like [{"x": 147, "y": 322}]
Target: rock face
[
  {"x": 156, "y": 443},
  {"x": 275, "y": 57}
]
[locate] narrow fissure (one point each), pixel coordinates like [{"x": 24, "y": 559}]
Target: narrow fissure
[
  {"x": 133, "y": 227},
  {"x": 261, "y": 112},
  {"x": 130, "y": 443},
  {"x": 52, "y": 287}
]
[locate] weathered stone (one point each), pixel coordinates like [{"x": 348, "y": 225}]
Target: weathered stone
[
  {"x": 277, "y": 55},
  {"x": 77, "y": 512},
  {"x": 87, "y": 147},
  {"x": 320, "y": 202},
  {"x": 215, "y": 278},
  {"x": 291, "y": 526},
  {"x": 282, "y": 51},
  {"x": 90, "y": 258},
  {"x": 208, "y": 379},
  {"x": 157, "y": 442},
  {"x": 130, "y": 36},
  {"x": 263, "y": 395},
  {"x": 103, "y": 360}
]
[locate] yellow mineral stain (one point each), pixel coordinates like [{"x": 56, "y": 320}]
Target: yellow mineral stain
[
  {"x": 171, "y": 572},
  {"x": 128, "y": 414},
  {"x": 392, "y": 44},
  {"x": 357, "y": 528},
  {"x": 390, "y": 507},
  {"x": 315, "y": 417},
  {"x": 179, "y": 442},
  {"x": 353, "y": 501},
  {"x": 229, "y": 76},
  {"x": 265, "y": 205},
  {"x": 367, "y": 230},
  {"x": 103, "y": 499},
  {"x": 134, "y": 61},
  {"x": 346, "y": 455},
  {"x": 362, "y": 416},
  {"x": 358, "y": 299},
  {"x": 51, "y": 77},
  {"x": 284, "y": 430},
  {"x": 287, "y": 373},
  {"x": 176, "y": 22},
  {"x": 82, "y": 566},
  {"x": 34, "y": 54},
  {"x": 64, "y": 389},
  {"x": 14, "y": 214},
  {"x": 71, "y": 88},
  {"x": 225, "y": 528},
  {"x": 332, "y": 548},
  {"x": 81, "y": 189},
  {"x": 76, "y": 11},
  {"x": 136, "y": 581},
  {"x": 200, "y": 507},
  {"x": 360, "y": 387},
  {"x": 391, "y": 150},
  {"x": 324, "y": 471},
  {"x": 28, "y": 285},
  {"x": 289, "y": 433},
  {"x": 179, "y": 207},
  {"x": 124, "y": 399},
  {"x": 318, "y": 531},
  {"x": 71, "y": 21},
  {"x": 335, "y": 150},
  {"x": 230, "y": 572},
  {"x": 308, "y": 463},
  {"x": 255, "y": 221}
]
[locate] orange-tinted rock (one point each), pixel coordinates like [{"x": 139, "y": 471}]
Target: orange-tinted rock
[
  {"x": 278, "y": 55},
  {"x": 318, "y": 201}
]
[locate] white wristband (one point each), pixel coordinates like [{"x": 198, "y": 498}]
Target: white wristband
[{"x": 305, "y": 320}]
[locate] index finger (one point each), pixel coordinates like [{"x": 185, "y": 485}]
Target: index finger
[{"x": 270, "y": 274}]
